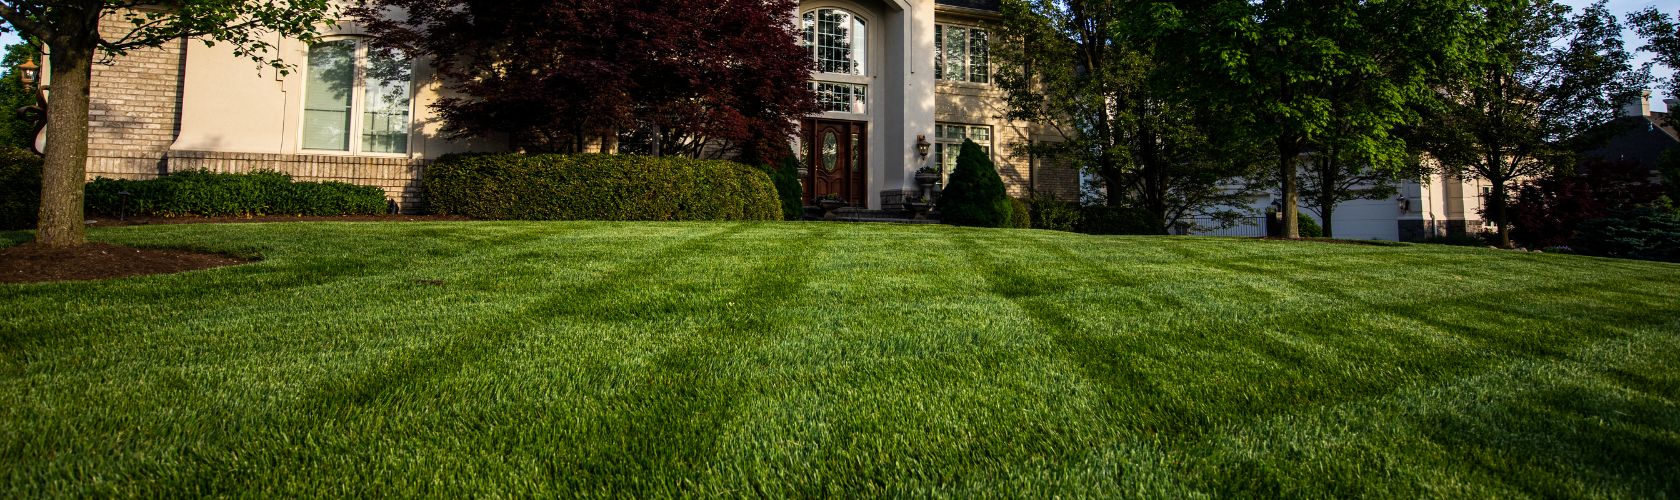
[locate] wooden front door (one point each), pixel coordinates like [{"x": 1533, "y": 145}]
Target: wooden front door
[{"x": 836, "y": 154}]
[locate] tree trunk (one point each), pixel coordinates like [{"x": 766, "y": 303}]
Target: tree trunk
[
  {"x": 64, "y": 173},
  {"x": 1501, "y": 216},
  {"x": 1328, "y": 212},
  {"x": 1289, "y": 208}
]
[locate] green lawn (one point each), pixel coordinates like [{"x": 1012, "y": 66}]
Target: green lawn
[{"x": 559, "y": 359}]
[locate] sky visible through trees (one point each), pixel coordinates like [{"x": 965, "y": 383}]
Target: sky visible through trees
[{"x": 1620, "y": 7}]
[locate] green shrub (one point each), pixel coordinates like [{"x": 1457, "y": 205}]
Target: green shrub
[
  {"x": 20, "y": 188},
  {"x": 599, "y": 187},
  {"x": 1052, "y": 214},
  {"x": 211, "y": 194},
  {"x": 1641, "y": 233},
  {"x": 1308, "y": 227},
  {"x": 785, "y": 175},
  {"x": 975, "y": 195},
  {"x": 1020, "y": 214},
  {"x": 1104, "y": 219}
]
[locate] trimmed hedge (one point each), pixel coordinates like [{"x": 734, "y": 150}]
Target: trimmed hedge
[
  {"x": 210, "y": 194},
  {"x": 599, "y": 187},
  {"x": 1104, "y": 219},
  {"x": 20, "y": 188}
]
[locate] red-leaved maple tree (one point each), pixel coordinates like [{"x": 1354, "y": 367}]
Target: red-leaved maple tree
[{"x": 690, "y": 77}]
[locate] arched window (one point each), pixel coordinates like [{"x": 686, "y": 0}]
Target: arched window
[
  {"x": 839, "y": 41},
  {"x": 356, "y": 99}
]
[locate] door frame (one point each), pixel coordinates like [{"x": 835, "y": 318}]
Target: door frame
[{"x": 855, "y": 185}]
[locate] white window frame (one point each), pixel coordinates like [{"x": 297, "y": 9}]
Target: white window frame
[
  {"x": 942, "y": 144},
  {"x": 358, "y": 105},
  {"x": 939, "y": 64},
  {"x": 861, "y": 63}
]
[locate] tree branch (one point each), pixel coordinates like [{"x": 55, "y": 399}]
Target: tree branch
[{"x": 24, "y": 23}]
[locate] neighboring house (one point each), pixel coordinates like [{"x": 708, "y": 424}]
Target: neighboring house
[
  {"x": 890, "y": 74},
  {"x": 1439, "y": 205},
  {"x": 1639, "y": 136}
]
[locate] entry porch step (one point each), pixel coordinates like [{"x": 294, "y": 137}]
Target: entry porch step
[{"x": 864, "y": 215}]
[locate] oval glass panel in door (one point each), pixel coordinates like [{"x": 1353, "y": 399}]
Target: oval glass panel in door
[{"x": 830, "y": 151}]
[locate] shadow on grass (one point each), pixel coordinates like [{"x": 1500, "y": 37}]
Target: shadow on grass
[{"x": 1569, "y": 439}]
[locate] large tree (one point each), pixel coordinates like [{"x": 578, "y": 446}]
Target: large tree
[
  {"x": 1542, "y": 79},
  {"x": 71, "y": 30},
  {"x": 690, "y": 77},
  {"x": 1090, "y": 69},
  {"x": 1280, "y": 70},
  {"x": 1662, "y": 39}
]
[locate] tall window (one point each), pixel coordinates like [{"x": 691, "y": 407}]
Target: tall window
[
  {"x": 838, "y": 40},
  {"x": 356, "y": 99},
  {"x": 948, "y": 141},
  {"x": 961, "y": 54}
]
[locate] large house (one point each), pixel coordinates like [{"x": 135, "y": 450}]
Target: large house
[{"x": 900, "y": 82}]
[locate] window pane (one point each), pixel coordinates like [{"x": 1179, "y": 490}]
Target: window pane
[
  {"x": 840, "y": 41},
  {"x": 979, "y": 67},
  {"x": 956, "y": 53},
  {"x": 385, "y": 122},
  {"x": 938, "y": 52},
  {"x": 841, "y": 97},
  {"x": 860, "y": 45},
  {"x": 326, "y": 101}
]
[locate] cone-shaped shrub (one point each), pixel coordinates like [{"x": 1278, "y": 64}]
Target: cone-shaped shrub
[
  {"x": 786, "y": 177},
  {"x": 975, "y": 195}
]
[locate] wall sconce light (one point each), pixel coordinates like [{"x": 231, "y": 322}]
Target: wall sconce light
[
  {"x": 1405, "y": 204},
  {"x": 29, "y": 72},
  {"x": 922, "y": 145}
]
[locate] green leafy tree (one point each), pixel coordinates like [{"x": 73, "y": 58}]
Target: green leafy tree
[
  {"x": 1541, "y": 78},
  {"x": 1289, "y": 72},
  {"x": 15, "y": 131},
  {"x": 1091, "y": 69},
  {"x": 975, "y": 195},
  {"x": 1662, "y": 38},
  {"x": 71, "y": 29}
]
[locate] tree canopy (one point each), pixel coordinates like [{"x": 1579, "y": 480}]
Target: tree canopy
[
  {"x": 690, "y": 77},
  {"x": 1540, "y": 80}
]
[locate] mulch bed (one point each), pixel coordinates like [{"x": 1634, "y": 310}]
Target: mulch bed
[
  {"x": 142, "y": 221},
  {"x": 32, "y": 263}
]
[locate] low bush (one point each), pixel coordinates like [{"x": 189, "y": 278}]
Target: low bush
[
  {"x": 975, "y": 195},
  {"x": 1641, "y": 233},
  {"x": 1020, "y": 214},
  {"x": 1308, "y": 227},
  {"x": 1104, "y": 219},
  {"x": 211, "y": 194},
  {"x": 20, "y": 188},
  {"x": 1053, "y": 214},
  {"x": 599, "y": 187}
]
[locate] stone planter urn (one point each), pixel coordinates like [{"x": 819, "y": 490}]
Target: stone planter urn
[
  {"x": 829, "y": 205},
  {"x": 927, "y": 178},
  {"x": 918, "y": 209}
]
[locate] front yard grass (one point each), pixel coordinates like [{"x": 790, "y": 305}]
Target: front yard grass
[{"x": 802, "y": 359}]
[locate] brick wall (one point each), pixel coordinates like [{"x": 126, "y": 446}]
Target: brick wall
[
  {"x": 399, "y": 177},
  {"x": 135, "y": 109}
]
